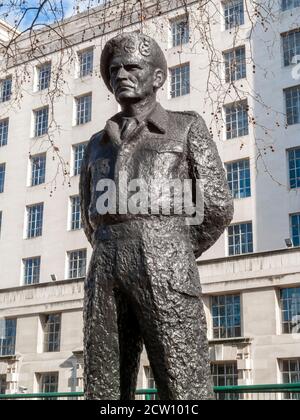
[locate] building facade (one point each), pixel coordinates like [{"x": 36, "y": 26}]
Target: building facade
[{"x": 250, "y": 278}]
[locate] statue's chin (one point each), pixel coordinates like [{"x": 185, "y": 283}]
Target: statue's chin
[{"x": 127, "y": 98}]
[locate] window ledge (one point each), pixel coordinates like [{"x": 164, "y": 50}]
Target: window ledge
[
  {"x": 8, "y": 357},
  {"x": 238, "y": 340}
]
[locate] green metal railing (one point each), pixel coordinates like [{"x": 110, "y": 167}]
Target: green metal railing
[{"x": 252, "y": 392}]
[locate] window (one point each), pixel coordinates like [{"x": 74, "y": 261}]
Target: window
[
  {"x": 240, "y": 239},
  {"x": 5, "y": 89},
  {"x": 226, "y": 316},
  {"x": 294, "y": 167},
  {"x": 236, "y": 120},
  {"x": 290, "y": 370},
  {"x": 2, "y": 177},
  {"x": 238, "y": 177},
  {"x": 44, "y": 76},
  {"x": 234, "y": 13},
  {"x": 180, "y": 31},
  {"x": 235, "y": 64},
  {"x": 35, "y": 220},
  {"x": 78, "y": 153},
  {"x": 291, "y": 46},
  {"x": 3, "y": 384},
  {"x": 290, "y": 4},
  {"x": 292, "y": 98},
  {"x": 295, "y": 228},
  {"x": 48, "y": 383},
  {"x": 225, "y": 374},
  {"x": 32, "y": 270},
  {"x": 180, "y": 80},
  {"x": 83, "y": 109},
  {"x": 3, "y": 132},
  {"x": 41, "y": 121},
  {"x": 38, "y": 169},
  {"x": 150, "y": 382},
  {"x": 52, "y": 327},
  {"x": 290, "y": 310},
  {"x": 75, "y": 213},
  {"x": 86, "y": 59},
  {"x": 8, "y": 329},
  {"x": 77, "y": 264}
]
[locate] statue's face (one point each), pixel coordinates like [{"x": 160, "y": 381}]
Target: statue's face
[{"x": 131, "y": 79}]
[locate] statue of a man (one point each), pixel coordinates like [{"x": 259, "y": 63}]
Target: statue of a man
[{"x": 143, "y": 284}]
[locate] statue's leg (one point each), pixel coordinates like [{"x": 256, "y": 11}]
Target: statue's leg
[
  {"x": 177, "y": 349},
  {"x": 131, "y": 346},
  {"x": 101, "y": 346},
  {"x": 174, "y": 324}
]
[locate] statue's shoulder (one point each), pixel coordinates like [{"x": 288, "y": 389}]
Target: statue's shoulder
[
  {"x": 182, "y": 121},
  {"x": 184, "y": 116},
  {"x": 96, "y": 138},
  {"x": 94, "y": 141}
]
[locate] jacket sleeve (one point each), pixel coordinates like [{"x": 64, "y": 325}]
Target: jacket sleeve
[
  {"x": 205, "y": 166},
  {"x": 85, "y": 194}
]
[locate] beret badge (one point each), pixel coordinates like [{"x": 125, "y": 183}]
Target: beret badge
[{"x": 145, "y": 48}]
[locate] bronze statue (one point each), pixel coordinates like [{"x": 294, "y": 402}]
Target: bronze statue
[{"x": 143, "y": 284}]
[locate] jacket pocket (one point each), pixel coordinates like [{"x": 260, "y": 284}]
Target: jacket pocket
[{"x": 171, "y": 146}]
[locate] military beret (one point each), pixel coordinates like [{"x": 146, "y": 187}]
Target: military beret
[{"x": 133, "y": 44}]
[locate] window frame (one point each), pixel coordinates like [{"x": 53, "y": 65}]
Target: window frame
[
  {"x": 83, "y": 111},
  {"x": 4, "y": 340},
  {"x": 296, "y": 243},
  {"x": 240, "y": 243},
  {"x": 237, "y": 194},
  {"x": 5, "y": 91},
  {"x": 294, "y": 181},
  {"x": 228, "y": 71},
  {"x": 37, "y": 230},
  {"x": 284, "y": 9},
  {"x": 4, "y": 129},
  {"x": 31, "y": 275},
  {"x": 75, "y": 216},
  {"x": 89, "y": 71},
  {"x": 234, "y": 330},
  {"x": 43, "y": 83},
  {"x": 176, "y": 40},
  {"x": 37, "y": 175},
  {"x": 41, "y": 121},
  {"x": 228, "y": 26},
  {"x": 175, "y": 82},
  {"x": 241, "y": 131},
  {"x": 74, "y": 268},
  {"x": 2, "y": 176},
  {"x": 76, "y": 163},
  {"x": 52, "y": 334},
  {"x": 291, "y": 117}
]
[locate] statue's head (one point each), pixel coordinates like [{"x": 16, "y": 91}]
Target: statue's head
[{"x": 133, "y": 67}]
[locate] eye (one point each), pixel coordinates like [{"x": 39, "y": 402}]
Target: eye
[
  {"x": 132, "y": 67},
  {"x": 113, "y": 69}
]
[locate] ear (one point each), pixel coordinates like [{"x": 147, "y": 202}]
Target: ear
[{"x": 158, "y": 78}]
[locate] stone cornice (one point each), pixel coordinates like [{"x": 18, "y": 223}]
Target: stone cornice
[{"x": 87, "y": 26}]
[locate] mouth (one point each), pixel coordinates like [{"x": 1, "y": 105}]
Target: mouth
[{"x": 124, "y": 87}]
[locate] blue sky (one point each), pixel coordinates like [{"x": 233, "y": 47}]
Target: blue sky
[{"x": 68, "y": 7}]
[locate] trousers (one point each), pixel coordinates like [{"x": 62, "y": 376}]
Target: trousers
[{"x": 143, "y": 288}]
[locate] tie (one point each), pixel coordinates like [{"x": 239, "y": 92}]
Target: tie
[{"x": 128, "y": 127}]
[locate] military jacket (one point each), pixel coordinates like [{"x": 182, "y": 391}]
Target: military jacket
[{"x": 165, "y": 145}]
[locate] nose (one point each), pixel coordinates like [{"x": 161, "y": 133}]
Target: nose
[{"x": 122, "y": 74}]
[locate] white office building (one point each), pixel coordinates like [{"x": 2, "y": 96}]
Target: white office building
[{"x": 50, "y": 105}]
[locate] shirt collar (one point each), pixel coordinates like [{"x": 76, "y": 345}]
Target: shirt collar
[{"x": 158, "y": 117}]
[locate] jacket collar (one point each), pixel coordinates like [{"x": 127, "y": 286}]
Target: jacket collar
[{"x": 158, "y": 117}]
